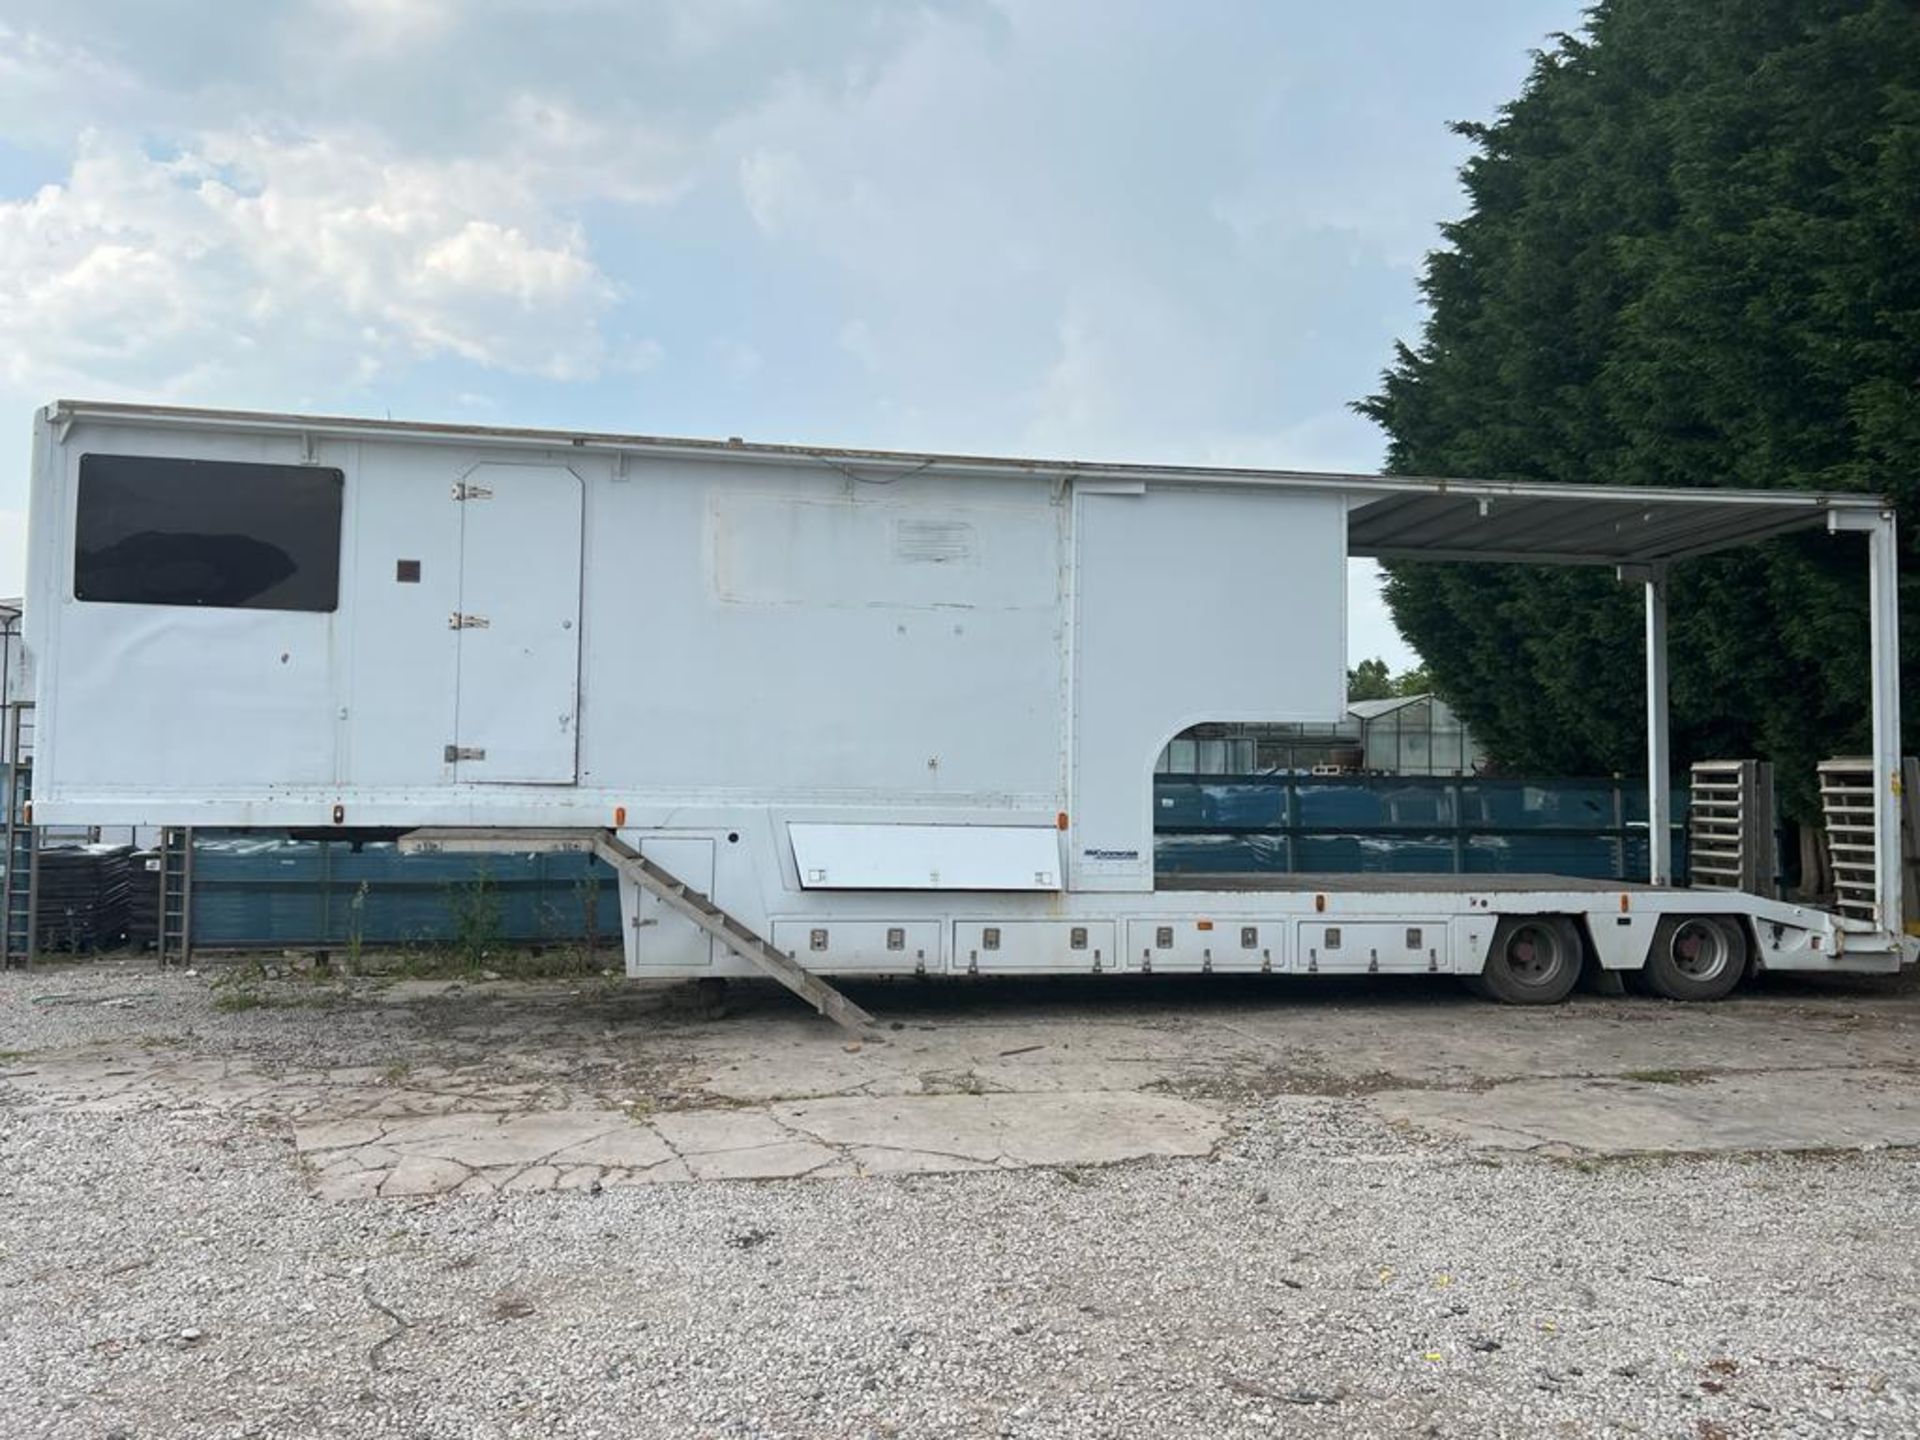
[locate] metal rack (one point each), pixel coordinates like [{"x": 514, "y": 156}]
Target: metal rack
[
  {"x": 1730, "y": 836},
  {"x": 1848, "y": 801},
  {"x": 19, "y": 927}
]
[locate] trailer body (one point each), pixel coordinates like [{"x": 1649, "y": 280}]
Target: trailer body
[{"x": 896, "y": 713}]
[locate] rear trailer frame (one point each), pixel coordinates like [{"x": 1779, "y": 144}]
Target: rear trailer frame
[{"x": 868, "y": 645}]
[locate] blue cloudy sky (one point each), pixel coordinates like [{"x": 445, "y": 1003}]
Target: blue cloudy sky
[{"x": 1182, "y": 230}]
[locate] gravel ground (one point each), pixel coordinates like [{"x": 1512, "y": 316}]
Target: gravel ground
[{"x": 166, "y": 1274}]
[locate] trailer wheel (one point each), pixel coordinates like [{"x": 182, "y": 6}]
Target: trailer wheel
[
  {"x": 1696, "y": 957},
  {"x": 1535, "y": 960}
]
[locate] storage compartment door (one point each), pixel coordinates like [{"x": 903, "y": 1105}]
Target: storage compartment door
[
  {"x": 517, "y": 625},
  {"x": 1374, "y": 946},
  {"x": 659, "y": 938}
]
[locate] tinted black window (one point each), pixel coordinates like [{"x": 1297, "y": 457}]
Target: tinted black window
[{"x": 207, "y": 532}]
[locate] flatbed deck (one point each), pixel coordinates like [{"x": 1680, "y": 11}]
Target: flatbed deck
[{"x": 1379, "y": 883}]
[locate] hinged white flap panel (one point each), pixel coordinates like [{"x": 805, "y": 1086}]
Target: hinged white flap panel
[
  {"x": 518, "y": 625},
  {"x": 926, "y": 857}
]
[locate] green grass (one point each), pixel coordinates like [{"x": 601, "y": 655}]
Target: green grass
[
  {"x": 1668, "y": 1077},
  {"x": 558, "y": 963}
]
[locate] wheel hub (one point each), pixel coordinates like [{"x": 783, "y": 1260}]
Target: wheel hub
[
  {"x": 1533, "y": 955},
  {"x": 1700, "y": 950}
]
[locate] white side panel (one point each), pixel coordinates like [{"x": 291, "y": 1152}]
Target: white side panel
[
  {"x": 518, "y": 624},
  {"x": 157, "y": 701},
  {"x": 840, "y": 552},
  {"x": 787, "y": 635},
  {"x": 1191, "y": 605},
  {"x": 926, "y": 857}
]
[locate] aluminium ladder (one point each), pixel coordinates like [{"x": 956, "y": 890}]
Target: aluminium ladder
[
  {"x": 173, "y": 927},
  {"x": 20, "y": 925}
]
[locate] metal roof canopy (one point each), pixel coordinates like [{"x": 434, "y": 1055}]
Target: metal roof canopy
[
  {"x": 1584, "y": 525},
  {"x": 1394, "y": 517},
  {"x": 1638, "y": 530}
]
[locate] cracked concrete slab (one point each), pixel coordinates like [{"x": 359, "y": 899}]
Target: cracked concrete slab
[
  {"x": 1012, "y": 1130},
  {"x": 444, "y": 1088},
  {"x": 844, "y": 1137},
  {"x": 1796, "y": 1110}
]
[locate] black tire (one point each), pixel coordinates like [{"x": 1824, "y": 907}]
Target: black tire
[
  {"x": 1534, "y": 960},
  {"x": 1696, "y": 957}
]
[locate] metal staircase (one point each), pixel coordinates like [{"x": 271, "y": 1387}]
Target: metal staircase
[{"x": 672, "y": 892}]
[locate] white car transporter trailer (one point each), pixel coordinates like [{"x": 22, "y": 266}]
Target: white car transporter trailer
[{"x": 833, "y": 712}]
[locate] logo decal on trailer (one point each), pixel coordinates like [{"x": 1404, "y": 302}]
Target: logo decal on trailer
[{"x": 1110, "y": 854}]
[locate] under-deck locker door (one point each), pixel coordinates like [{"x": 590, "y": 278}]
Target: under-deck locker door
[{"x": 518, "y": 625}]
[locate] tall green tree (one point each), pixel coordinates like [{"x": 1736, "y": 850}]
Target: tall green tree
[
  {"x": 1372, "y": 680},
  {"x": 1691, "y": 256},
  {"x": 1369, "y": 680}
]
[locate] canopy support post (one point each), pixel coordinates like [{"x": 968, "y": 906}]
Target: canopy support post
[
  {"x": 1883, "y": 586},
  {"x": 1659, "y": 755},
  {"x": 1883, "y": 638}
]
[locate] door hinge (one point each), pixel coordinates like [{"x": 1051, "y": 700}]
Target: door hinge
[
  {"x": 457, "y": 753},
  {"x": 458, "y": 621},
  {"x": 463, "y": 491}
]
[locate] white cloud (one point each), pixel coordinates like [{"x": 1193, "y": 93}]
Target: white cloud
[
  {"x": 774, "y": 187},
  {"x": 299, "y": 255},
  {"x": 41, "y": 77},
  {"x": 392, "y": 24}
]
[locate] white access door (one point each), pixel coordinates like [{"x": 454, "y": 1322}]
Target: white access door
[{"x": 517, "y": 625}]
